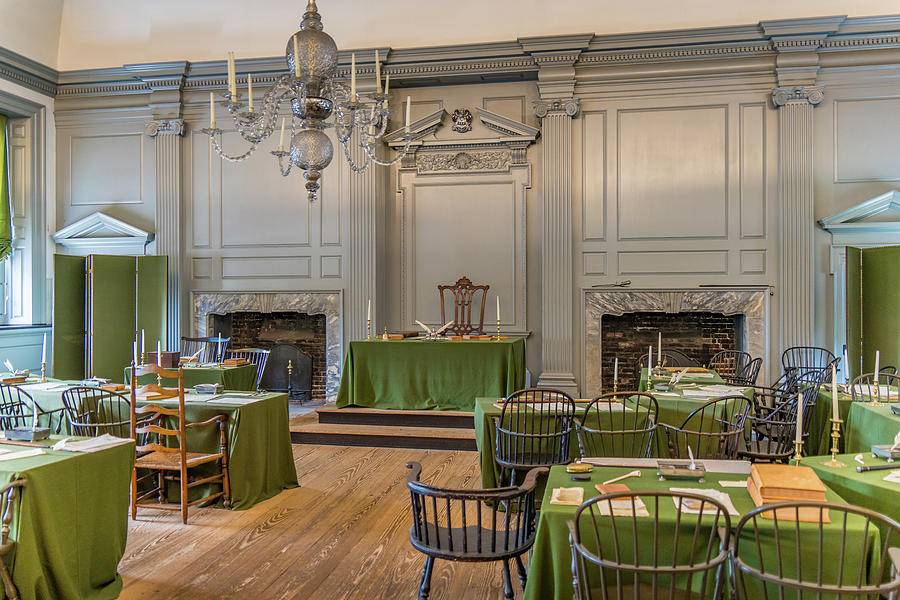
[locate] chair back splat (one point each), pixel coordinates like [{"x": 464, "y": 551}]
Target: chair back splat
[
  {"x": 618, "y": 424},
  {"x": 618, "y": 554},
  {"x": 467, "y": 299},
  {"x": 472, "y": 525},
  {"x": 714, "y": 430},
  {"x": 93, "y": 412}
]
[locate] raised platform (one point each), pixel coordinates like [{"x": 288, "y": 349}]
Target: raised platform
[{"x": 422, "y": 429}]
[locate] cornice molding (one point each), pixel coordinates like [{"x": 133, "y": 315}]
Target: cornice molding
[{"x": 515, "y": 60}]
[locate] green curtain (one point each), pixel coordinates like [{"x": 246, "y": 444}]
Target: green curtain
[{"x": 5, "y": 211}]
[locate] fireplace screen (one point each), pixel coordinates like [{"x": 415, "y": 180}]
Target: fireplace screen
[{"x": 277, "y": 378}]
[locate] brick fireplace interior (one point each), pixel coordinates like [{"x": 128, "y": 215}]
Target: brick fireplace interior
[
  {"x": 698, "y": 334},
  {"x": 265, "y": 330}
]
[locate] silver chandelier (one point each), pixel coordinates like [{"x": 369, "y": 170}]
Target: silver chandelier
[{"x": 312, "y": 89}]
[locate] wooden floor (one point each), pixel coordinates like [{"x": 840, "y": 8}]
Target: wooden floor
[{"x": 342, "y": 534}]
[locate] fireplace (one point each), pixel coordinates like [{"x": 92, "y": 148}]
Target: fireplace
[
  {"x": 748, "y": 307},
  {"x": 698, "y": 335},
  {"x": 322, "y": 308},
  {"x": 292, "y": 337}
]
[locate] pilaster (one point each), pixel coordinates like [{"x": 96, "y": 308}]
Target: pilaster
[
  {"x": 797, "y": 221},
  {"x": 557, "y": 323},
  {"x": 167, "y": 136}
]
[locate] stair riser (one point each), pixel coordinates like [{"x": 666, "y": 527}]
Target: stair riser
[
  {"x": 382, "y": 441},
  {"x": 399, "y": 419}
]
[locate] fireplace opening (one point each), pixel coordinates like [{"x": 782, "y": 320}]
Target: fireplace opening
[
  {"x": 699, "y": 335},
  {"x": 289, "y": 336}
]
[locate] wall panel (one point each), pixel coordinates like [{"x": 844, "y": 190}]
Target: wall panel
[
  {"x": 866, "y": 131},
  {"x": 106, "y": 169},
  {"x": 753, "y": 171},
  {"x": 593, "y": 170}
]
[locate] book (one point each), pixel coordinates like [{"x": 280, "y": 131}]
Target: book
[
  {"x": 804, "y": 514},
  {"x": 777, "y": 482}
]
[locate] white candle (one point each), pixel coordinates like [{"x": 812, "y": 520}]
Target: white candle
[
  {"x": 846, "y": 366},
  {"x": 616, "y": 371},
  {"x": 212, "y": 111},
  {"x": 369, "y": 311},
  {"x": 659, "y": 350},
  {"x": 135, "y": 354},
  {"x": 281, "y": 142},
  {"x": 835, "y": 409},
  {"x": 387, "y": 84},
  {"x": 498, "y": 309},
  {"x": 649, "y": 363},
  {"x": 142, "y": 341},
  {"x": 158, "y": 353},
  {"x": 352, "y": 77},
  {"x": 232, "y": 83},
  {"x": 296, "y": 58},
  {"x": 377, "y": 74},
  {"x": 877, "y": 364},
  {"x": 44, "y": 350},
  {"x": 250, "y": 90},
  {"x": 799, "y": 433},
  {"x": 407, "y": 115}
]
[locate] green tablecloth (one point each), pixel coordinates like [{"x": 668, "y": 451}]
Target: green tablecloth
[
  {"x": 867, "y": 489},
  {"x": 241, "y": 378},
  {"x": 698, "y": 378},
  {"x": 419, "y": 374},
  {"x": 818, "y": 440},
  {"x": 260, "y": 459},
  {"x": 869, "y": 425},
  {"x": 550, "y": 570},
  {"x": 73, "y": 520}
]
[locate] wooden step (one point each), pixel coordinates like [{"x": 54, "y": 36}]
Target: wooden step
[
  {"x": 380, "y": 436},
  {"x": 404, "y": 418}
]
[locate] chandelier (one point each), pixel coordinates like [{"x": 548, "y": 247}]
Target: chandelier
[{"x": 314, "y": 94}]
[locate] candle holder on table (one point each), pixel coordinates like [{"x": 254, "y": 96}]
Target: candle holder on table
[
  {"x": 497, "y": 339},
  {"x": 43, "y": 372},
  {"x": 798, "y": 451},
  {"x": 835, "y": 436},
  {"x": 368, "y": 329}
]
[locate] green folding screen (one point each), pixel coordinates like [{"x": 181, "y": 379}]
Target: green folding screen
[
  {"x": 873, "y": 310},
  {"x": 119, "y": 296}
]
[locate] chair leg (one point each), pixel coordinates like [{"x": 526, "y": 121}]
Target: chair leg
[
  {"x": 184, "y": 495},
  {"x": 523, "y": 574},
  {"x": 134, "y": 493},
  {"x": 11, "y": 592},
  {"x": 507, "y": 581},
  {"x": 425, "y": 584}
]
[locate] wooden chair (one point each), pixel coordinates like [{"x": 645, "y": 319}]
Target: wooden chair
[
  {"x": 736, "y": 367},
  {"x": 625, "y": 422},
  {"x": 218, "y": 348},
  {"x": 792, "y": 565},
  {"x": 9, "y": 508},
  {"x": 92, "y": 412},
  {"x": 163, "y": 450},
  {"x": 191, "y": 346},
  {"x": 17, "y": 409},
  {"x": 771, "y": 437},
  {"x": 534, "y": 430},
  {"x": 714, "y": 430},
  {"x": 670, "y": 358},
  {"x": 256, "y": 356},
  {"x": 467, "y": 525},
  {"x": 806, "y": 357},
  {"x": 466, "y": 298},
  {"x": 621, "y": 557},
  {"x": 868, "y": 388}
]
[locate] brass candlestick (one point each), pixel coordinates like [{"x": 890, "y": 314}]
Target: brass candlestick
[
  {"x": 498, "y": 331},
  {"x": 835, "y": 436},
  {"x": 43, "y": 372},
  {"x": 143, "y": 358},
  {"x": 385, "y": 338},
  {"x": 798, "y": 451},
  {"x": 368, "y": 329},
  {"x": 615, "y": 386}
]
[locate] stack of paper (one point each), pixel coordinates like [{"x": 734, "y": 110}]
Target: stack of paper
[
  {"x": 94, "y": 444},
  {"x": 690, "y": 507}
]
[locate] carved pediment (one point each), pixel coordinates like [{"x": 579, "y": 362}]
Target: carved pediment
[
  {"x": 99, "y": 232},
  {"x": 871, "y": 222}
]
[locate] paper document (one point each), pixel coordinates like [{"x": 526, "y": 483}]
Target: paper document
[
  {"x": 94, "y": 444},
  {"x": 21, "y": 454},
  {"x": 689, "y": 507}
]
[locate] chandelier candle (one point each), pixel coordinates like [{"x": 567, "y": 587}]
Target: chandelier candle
[
  {"x": 353, "y": 77},
  {"x": 296, "y": 62},
  {"x": 377, "y": 74},
  {"x": 407, "y": 115},
  {"x": 281, "y": 141},
  {"x": 250, "y": 91}
]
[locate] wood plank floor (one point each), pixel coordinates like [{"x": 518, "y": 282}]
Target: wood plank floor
[{"x": 342, "y": 534}]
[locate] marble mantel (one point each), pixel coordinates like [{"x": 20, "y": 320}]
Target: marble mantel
[
  {"x": 752, "y": 303},
  {"x": 326, "y": 303}
]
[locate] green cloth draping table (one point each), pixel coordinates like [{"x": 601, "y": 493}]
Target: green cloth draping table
[
  {"x": 550, "y": 568},
  {"x": 242, "y": 378},
  {"x": 72, "y": 522},
  {"x": 818, "y": 440},
  {"x": 708, "y": 377},
  {"x": 486, "y": 431},
  {"x": 420, "y": 374},
  {"x": 867, "y": 489},
  {"x": 869, "y": 425},
  {"x": 260, "y": 459}
]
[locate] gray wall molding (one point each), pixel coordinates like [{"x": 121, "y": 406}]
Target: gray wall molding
[{"x": 496, "y": 61}]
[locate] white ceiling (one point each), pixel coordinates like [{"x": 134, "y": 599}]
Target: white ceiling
[{"x": 110, "y": 33}]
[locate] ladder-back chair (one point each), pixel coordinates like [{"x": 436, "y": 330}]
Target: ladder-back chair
[
  {"x": 10, "y": 499},
  {"x": 466, "y": 299},
  {"x": 162, "y": 449}
]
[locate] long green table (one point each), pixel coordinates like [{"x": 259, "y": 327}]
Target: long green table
[
  {"x": 818, "y": 440},
  {"x": 72, "y": 523},
  {"x": 707, "y": 377},
  {"x": 420, "y": 374},
  {"x": 242, "y": 378},
  {"x": 867, "y": 489},
  {"x": 550, "y": 568},
  {"x": 260, "y": 459},
  {"x": 868, "y": 425}
]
